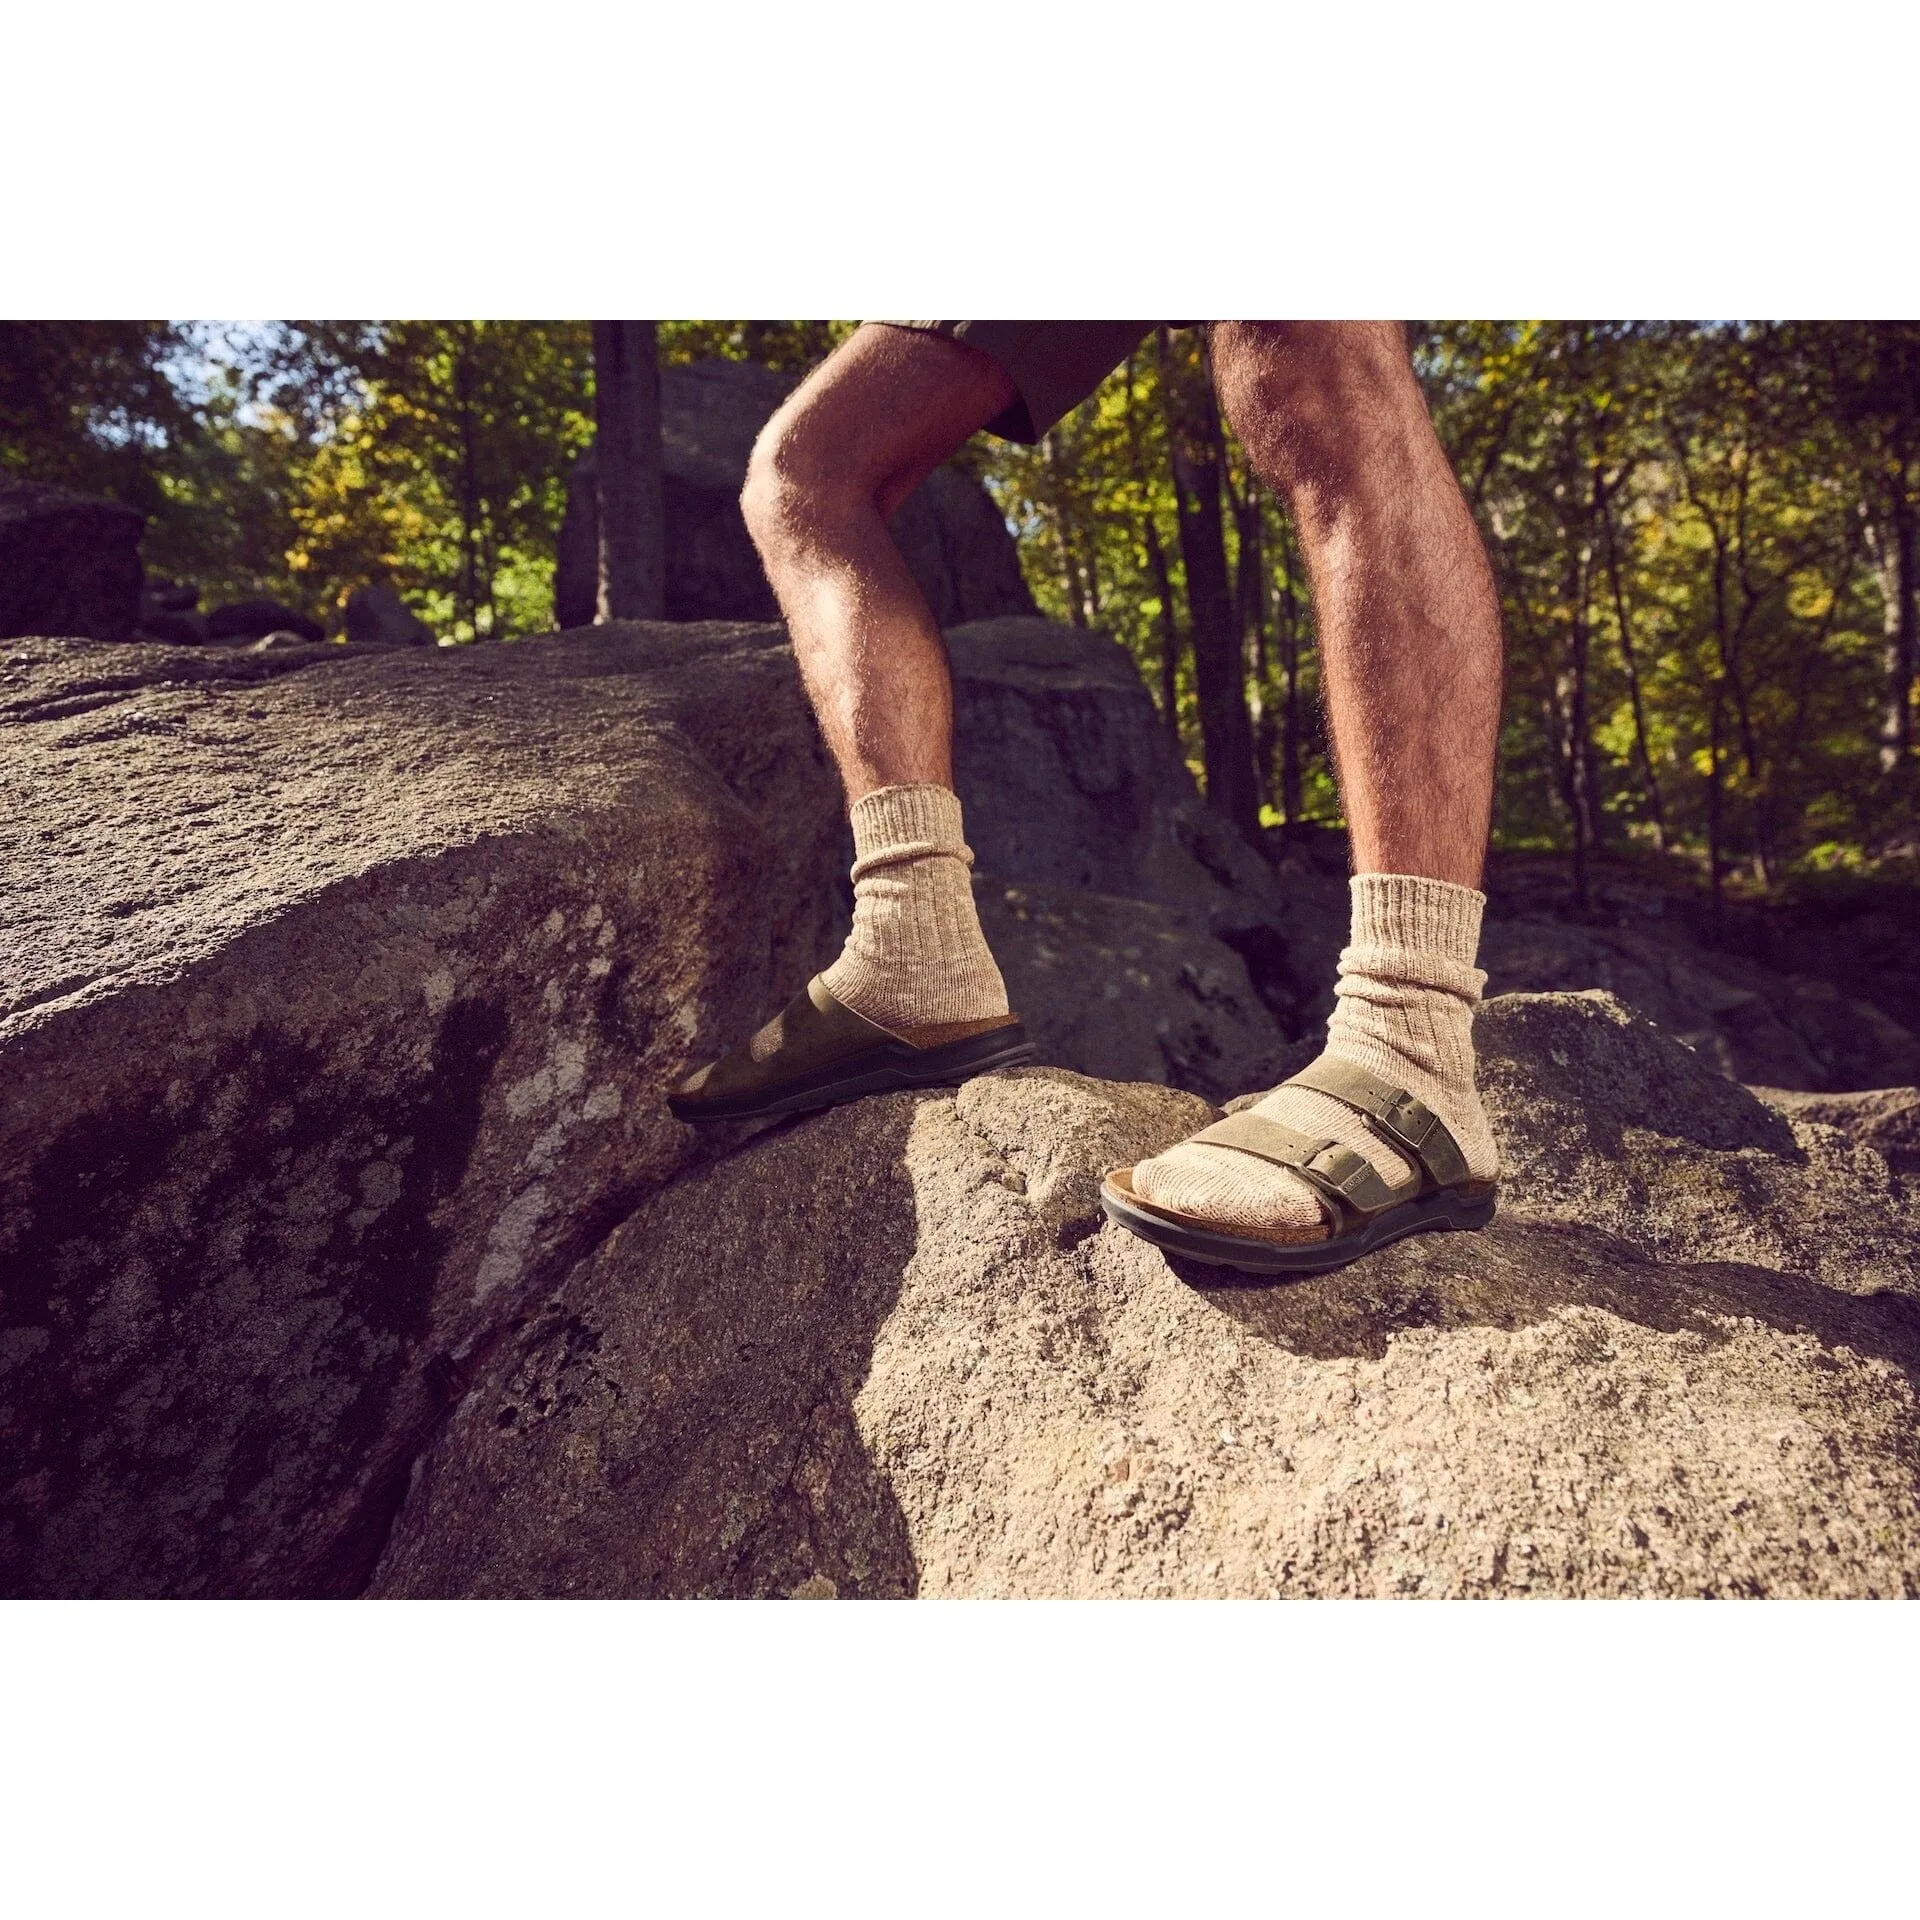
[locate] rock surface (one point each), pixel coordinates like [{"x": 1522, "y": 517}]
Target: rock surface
[
  {"x": 1069, "y": 777},
  {"x": 1141, "y": 939},
  {"x": 169, "y": 613},
  {"x": 174, "y": 629},
  {"x": 68, "y": 563},
  {"x": 956, "y": 541},
  {"x": 1131, "y": 990},
  {"x": 168, "y": 596},
  {"x": 1813, "y": 995},
  {"x": 1830, "y": 961},
  {"x": 247, "y": 620},
  {"x": 345, "y": 1243},
  {"x": 711, "y": 412},
  {"x": 337, "y": 997},
  {"x": 1886, "y": 1119},
  {"x": 377, "y": 617},
  {"x": 1756, "y": 1025},
  {"x": 893, "y": 1350}
]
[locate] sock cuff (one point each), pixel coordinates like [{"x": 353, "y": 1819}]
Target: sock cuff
[
  {"x": 1407, "y": 910},
  {"x": 1390, "y": 976},
  {"x": 893, "y": 824}
]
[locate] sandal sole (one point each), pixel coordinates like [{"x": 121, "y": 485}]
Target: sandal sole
[
  {"x": 900, "y": 1070},
  {"x": 1443, "y": 1212}
]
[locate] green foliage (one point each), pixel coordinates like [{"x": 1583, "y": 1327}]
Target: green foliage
[
  {"x": 319, "y": 456},
  {"x": 445, "y": 471},
  {"x": 88, "y": 404},
  {"x": 226, "y": 485},
  {"x": 789, "y": 346},
  {"x": 85, "y": 403},
  {"x": 1696, "y": 530},
  {"x": 1683, "y": 523},
  {"x": 1679, "y": 521},
  {"x": 1094, "y": 511}
]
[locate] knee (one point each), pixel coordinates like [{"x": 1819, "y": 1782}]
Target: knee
[
  {"x": 795, "y": 484},
  {"x": 1319, "y": 405},
  {"x": 773, "y": 501}
]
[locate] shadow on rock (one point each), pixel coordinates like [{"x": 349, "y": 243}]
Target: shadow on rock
[
  {"x": 676, "y": 1419},
  {"x": 1518, "y": 1274},
  {"x": 215, "y": 1325}
]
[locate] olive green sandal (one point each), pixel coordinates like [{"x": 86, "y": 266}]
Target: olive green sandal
[
  {"x": 1365, "y": 1213},
  {"x": 815, "y": 1052}
]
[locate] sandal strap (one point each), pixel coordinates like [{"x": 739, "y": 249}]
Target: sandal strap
[
  {"x": 1346, "y": 1178},
  {"x": 1409, "y": 1123}
]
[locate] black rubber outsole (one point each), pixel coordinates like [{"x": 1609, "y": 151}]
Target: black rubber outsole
[
  {"x": 898, "y": 1069},
  {"x": 1442, "y": 1212}
]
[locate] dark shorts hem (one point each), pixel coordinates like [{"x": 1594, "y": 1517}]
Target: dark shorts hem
[{"x": 1053, "y": 364}]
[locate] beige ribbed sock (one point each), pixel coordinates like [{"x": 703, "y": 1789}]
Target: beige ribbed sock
[
  {"x": 916, "y": 957},
  {"x": 1408, "y": 986}
]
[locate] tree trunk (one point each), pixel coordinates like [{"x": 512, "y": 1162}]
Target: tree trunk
[
  {"x": 469, "y": 486},
  {"x": 1571, "y": 695},
  {"x": 1715, "y": 835},
  {"x": 1249, "y": 573},
  {"x": 1072, "y": 587},
  {"x": 1896, "y": 555},
  {"x": 1162, "y": 578},
  {"x": 1716, "y": 863},
  {"x": 1729, "y": 636},
  {"x": 1073, "y": 579},
  {"x": 1219, "y": 679},
  {"x": 626, "y": 408},
  {"x": 1250, "y": 608},
  {"x": 1169, "y": 630},
  {"x": 1792, "y": 757},
  {"x": 1649, "y": 784},
  {"x": 1290, "y": 718},
  {"x": 1286, "y": 624}
]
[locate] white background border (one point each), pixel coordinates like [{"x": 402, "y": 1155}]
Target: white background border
[{"x": 1645, "y": 160}]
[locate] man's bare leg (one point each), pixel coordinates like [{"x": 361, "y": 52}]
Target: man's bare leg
[
  {"x": 845, "y": 451},
  {"x": 1409, "y": 624},
  {"x": 842, "y": 455}
]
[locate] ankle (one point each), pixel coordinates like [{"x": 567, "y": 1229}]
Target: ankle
[
  {"x": 966, "y": 992},
  {"x": 1406, "y": 995},
  {"x": 915, "y": 957}
]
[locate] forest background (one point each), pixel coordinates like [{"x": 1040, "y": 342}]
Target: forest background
[{"x": 1704, "y": 536}]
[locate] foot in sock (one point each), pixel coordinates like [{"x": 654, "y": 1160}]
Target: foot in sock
[
  {"x": 916, "y": 961},
  {"x": 1408, "y": 986}
]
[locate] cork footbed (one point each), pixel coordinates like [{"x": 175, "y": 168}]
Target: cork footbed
[
  {"x": 945, "y": 1036},
  {"x": 1121, "y": 1181}
]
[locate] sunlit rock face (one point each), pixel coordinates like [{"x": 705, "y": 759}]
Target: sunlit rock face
[
  {"x": 895, "y": 1350},
  {"x": 346, "y": 1244}
]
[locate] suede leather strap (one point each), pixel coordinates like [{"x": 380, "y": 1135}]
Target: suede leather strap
[
  {"x": 812, "y": 1031},
  {"x": 1409, "y": 1123},
  {"x": 1346, "y": 1178}
]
